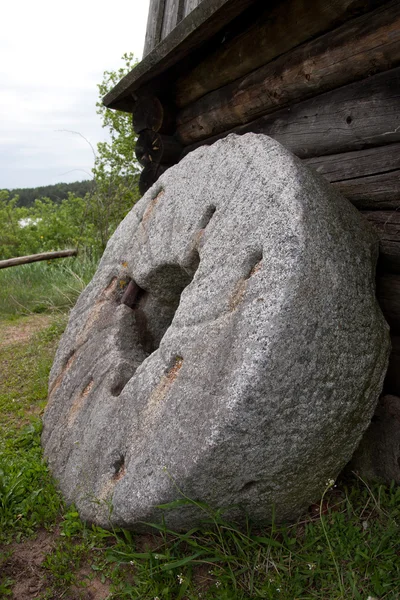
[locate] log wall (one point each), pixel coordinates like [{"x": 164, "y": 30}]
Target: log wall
[{"x": 323, "y": 79}]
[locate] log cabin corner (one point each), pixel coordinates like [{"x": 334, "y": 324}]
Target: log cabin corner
[{"x": 322, "y": 77}]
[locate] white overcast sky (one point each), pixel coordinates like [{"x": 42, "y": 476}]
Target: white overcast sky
[{"x": 52, "y": 56}]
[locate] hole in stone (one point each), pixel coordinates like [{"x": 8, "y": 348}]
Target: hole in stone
[
  {"x": 375, "y": 419},
  {"x": 158, "y": 190},
  {"x": 255, "y": 264},
  {"x": 117, "y": 389},
  {"x": 349, "y": 120},
  {"x": 208, "y": 215},
  {"x": 154, "y": 311},
  {"x": 248, "y": 486},
  {"x": 119, "y": 467}
]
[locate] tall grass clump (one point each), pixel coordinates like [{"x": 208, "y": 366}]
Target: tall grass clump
[{"x": 43, "y": 286}]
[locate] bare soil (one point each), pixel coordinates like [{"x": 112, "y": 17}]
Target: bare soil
[
  {"x": 22, "y": 331},
  {"x": 23, "y": 563}
]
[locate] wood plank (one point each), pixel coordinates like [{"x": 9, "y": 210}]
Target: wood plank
[
  {"x": 388, "y": 294},
  {"x": 355, "y": 117},
  {"x": 361, "y": 163},
  {"x": 387, "y": 225},
  {"x": 154, "y": 25},
  {"x": 173, "y": 14},
  {"x": 207, "y": 19},
  {"x": 277, "y": 30},
  {"x": 189, "y": 6},
  {"x": 361, "y": 47}
]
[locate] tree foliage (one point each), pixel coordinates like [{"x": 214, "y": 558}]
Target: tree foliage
[
  {"x": 116, "y": 171},
  {"x": 56, "y": 192},
  {"x": 70, "y": 219}
]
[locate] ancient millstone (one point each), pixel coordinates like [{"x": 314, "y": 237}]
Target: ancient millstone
[{"x": 229, "y": 346}]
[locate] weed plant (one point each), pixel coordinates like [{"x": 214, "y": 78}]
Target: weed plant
[
  {"x": 346, "y": 547},
  {"x": 43, "y": 286}
]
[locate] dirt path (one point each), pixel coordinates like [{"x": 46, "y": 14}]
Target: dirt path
[{"x": 22, "y": 331}]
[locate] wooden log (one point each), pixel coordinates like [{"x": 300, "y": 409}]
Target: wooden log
[
  {"x": 387, "y": 225},
  {"x": 361, "y": 163},
  {"x": 148, "y": 147},
  {"x": 154, "y": 25},
  {"x": 388, "y": 294},
  {"x": 157, "y": 148},
  {"x": 392, "y": 381},
  {"x": 366, "y": 45},
  {"x": 149, "y": 176},
  {"x": 358, "y": 116},
  {"x": 368, "y": 178},
  {"x": 23, "y": 260},
  {"x": 374, "y": 192},
  {"x": 274, "y": 31},
  {"x": 148, "y": 113}
]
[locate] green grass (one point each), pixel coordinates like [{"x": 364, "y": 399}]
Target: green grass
[
  {"x": 348, "y": 547},
  {"x": 43, "y": 286}
]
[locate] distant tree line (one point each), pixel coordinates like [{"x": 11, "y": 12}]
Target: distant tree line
[
  {"x": 56, "y": 193},
  {"x": 82, "y": 214}
]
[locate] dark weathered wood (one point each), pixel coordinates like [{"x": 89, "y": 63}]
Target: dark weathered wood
[
  {"x": 208, "y": 18},
  {"x": 150, "y": 174},
  {"x": 388, "y": 294},
  {"x": 276, "y": 30},
  {"x": 392, "y": 381},
  {"x": 360, "y": 115},
  {"x": 148, "y": 147},
  {"x": 361, "y": 47},
  {"x": 190, "y": 5},
  {"x": 173, "y": 14},
  {"x": 154, "y": 25},
  {"x": 368, "y": 178},
  {"x": 387, "y": 225},
  {"x": 361, "y": 163},
  {"x": 148, "y": 114},
  {"x": 157, "y": 148},
  {"x": 373, "y": 192},
  {"x": 23, "y": 260}
]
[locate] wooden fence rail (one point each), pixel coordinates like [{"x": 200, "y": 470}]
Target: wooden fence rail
[{"x": 23, "y": 260}]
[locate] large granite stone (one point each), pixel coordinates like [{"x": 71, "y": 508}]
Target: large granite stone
[{"x": 246, "y": 372}]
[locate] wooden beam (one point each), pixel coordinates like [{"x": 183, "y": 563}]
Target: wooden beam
[
  {"x": 206, "y": 20},
  {"x": 23, "y": 260},
  {"x": 387, "y": 225},
  {"x": 388, "y": 294},
  {"x": 361, "y": 163},
  {"x": 373, "y": 192},
  {"x": 360, "y": 115},
  {"x": 366, "y": 45},
  {"x": 148, "y": 114},
  {"x": 276, "y": 30},
  {"x": 153, "y": 147}
]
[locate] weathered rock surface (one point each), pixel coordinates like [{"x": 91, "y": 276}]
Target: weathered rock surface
[{"x": 251, "y": 359}]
